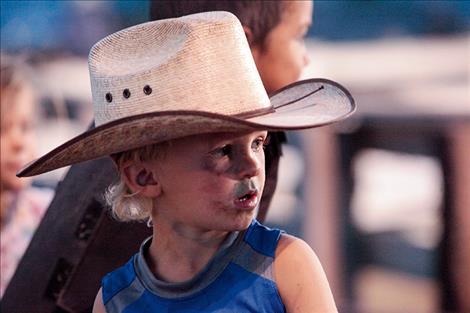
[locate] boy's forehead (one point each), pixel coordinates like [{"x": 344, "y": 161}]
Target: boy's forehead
[
  {"x": 210, "y": 138},
  {"x": 229, "y": 135}
]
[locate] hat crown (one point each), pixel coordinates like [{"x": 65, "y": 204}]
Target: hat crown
[{"x": 199, "y": 62}]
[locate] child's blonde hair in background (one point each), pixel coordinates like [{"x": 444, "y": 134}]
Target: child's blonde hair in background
[
  {"x": 16, "y": 76},
  {"x": 127, "y": 205}
]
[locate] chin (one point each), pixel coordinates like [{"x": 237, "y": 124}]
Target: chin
[
  {"x": 243, "y": 222},
  {"x": 15, "y": 184},
  {"x": 233, "y": 224}
]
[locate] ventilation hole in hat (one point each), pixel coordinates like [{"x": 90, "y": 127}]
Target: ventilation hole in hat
[
  {"x": 147, "y": 90},
  {"x": 109, "y": 97},
  {"x": 126, "y": 93}
]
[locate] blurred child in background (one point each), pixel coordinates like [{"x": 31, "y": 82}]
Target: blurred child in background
[{"x": 22, "y": 205}]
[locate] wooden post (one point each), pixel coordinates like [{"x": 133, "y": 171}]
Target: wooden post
[
  {"x": 460, "y": 219},
  {"x": 322, "y": 226}
]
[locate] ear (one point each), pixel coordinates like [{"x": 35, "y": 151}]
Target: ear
[
  {"x": 140, "y": 177},
  {"x": 248, "y": 34}
]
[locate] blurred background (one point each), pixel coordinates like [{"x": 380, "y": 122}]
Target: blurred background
[{"x": 383, "y": 197}]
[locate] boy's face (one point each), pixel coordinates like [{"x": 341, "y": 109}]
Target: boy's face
[
  {"x": 281, "y": 58},
  {"x": 211, "y": 182}
]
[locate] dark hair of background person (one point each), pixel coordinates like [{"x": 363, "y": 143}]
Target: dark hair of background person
[{"x": 260, "y": 16}]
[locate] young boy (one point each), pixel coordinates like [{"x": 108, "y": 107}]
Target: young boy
[
  {"x": 181, "y": 108},
  {"x": 275, "y": 31},
  {"x": 22, "y": 205}
]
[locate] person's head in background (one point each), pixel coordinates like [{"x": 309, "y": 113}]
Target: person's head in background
[
  {"x": 17, "y": 123},
  {"x": 275, "y": 31}
]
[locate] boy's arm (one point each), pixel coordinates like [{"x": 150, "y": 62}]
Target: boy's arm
[
  {"x": 300, "y": 278},
  {"x": 98, "y": 306}
]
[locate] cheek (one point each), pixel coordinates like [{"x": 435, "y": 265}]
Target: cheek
[
  {"x": 214, "y": 186},
  {"x": 209, "y": 179},
  {"x": 262, "y": 174},
  {"x": 30, "y": 145},
  {"x": 294, "y": 58},
  {"x": 5, "y": 140},
  {"x": 283, "y": 67},
  {"x": 213, "y": 165}
]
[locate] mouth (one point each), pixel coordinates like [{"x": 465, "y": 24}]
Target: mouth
[{"x": 248, "y": 201}]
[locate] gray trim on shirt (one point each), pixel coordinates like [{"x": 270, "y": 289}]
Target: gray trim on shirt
[{"x": 234, "y": 249}]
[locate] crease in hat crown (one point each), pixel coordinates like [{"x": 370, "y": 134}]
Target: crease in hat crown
[{"x": 200, "y": 62}]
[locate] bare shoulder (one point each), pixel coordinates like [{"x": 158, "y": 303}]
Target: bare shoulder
[
  {"x": 98, "y": 306},
  {"x": 300, "y": 278}
]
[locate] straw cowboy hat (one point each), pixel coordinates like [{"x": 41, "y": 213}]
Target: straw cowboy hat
[{"x": 172, "y": 78}]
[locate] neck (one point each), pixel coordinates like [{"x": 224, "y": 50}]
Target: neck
[{"x": 178, "y": 252}]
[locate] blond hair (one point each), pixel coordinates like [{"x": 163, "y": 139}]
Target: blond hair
[
  {"x": 16, "y": 76},
  {"x": 127, "y": 205}
]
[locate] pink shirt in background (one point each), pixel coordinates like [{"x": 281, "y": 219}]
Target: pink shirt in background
[{"x": 22, "y": 219}]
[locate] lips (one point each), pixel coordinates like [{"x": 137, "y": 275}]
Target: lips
[{"x": 247, "y": 201}]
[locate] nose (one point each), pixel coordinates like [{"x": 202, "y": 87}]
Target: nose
[{"x": 248, "y": 165}]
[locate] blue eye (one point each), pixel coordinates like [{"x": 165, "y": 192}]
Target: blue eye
[
  {"x": 223, "y": 151},
  {"x": 258, "y": 144}
]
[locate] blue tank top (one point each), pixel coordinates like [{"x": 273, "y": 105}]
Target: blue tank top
[{"x": 239, "y": 278}]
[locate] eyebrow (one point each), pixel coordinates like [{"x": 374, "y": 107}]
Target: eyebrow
[{"x": 215, "y": 142}]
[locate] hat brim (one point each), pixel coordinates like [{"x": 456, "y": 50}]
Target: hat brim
[{"x": 304, "y": 104}]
